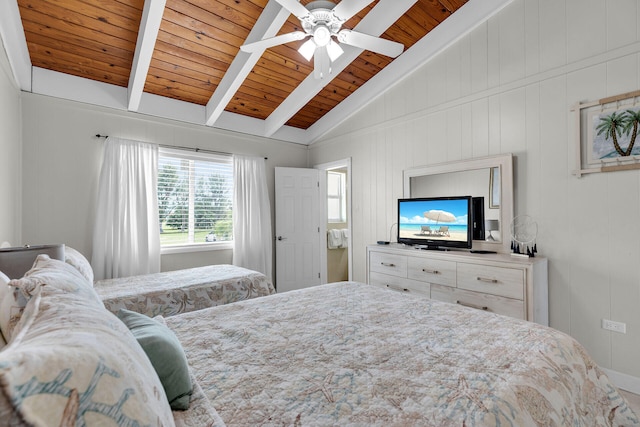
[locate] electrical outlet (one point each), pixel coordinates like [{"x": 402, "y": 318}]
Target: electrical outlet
[{"x": 610, "y": 325}]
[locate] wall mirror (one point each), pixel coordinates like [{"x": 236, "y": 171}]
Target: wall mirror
[{"x": 489, "y": 180}]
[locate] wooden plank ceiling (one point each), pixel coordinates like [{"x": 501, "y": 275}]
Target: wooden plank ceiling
[{"x": 197, "y": 41}]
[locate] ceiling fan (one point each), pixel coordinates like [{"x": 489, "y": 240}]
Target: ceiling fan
[{"x": 322, "y": 20}]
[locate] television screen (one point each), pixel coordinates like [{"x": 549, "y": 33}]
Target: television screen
[{"x": 435, "y": 222}]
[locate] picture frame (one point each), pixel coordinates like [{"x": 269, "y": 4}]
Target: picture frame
[
  {"x": 605, "y": 134},
  {"x": 494, "y": 188}
]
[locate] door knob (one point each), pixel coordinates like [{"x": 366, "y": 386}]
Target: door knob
[{"x": 282, "y": 238}]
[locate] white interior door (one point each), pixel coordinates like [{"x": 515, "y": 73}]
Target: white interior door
[{"x": 297, "y": 228}]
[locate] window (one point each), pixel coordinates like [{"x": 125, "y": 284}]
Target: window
[
  {"x": 336, "y": 200},
  {"x": 195, "y": 198}
]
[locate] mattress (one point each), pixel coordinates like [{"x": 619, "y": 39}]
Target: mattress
[
  {"x": 172, "y": 292},
  {"x": 352, "y": 354}
]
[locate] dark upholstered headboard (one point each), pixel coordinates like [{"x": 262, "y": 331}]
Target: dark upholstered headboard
[{"x": 14, "y": 262}]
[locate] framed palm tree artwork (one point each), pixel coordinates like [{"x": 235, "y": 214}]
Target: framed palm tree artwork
[
  {"x": 607, "y": 134},
  {"x": 614, "y": 133}
]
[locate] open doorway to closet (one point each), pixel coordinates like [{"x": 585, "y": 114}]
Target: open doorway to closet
[{"x": 336, "y": 252}]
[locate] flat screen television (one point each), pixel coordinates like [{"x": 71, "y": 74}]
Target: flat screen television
[{"x": 436, "y": 222}]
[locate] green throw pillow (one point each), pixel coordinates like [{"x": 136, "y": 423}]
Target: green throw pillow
[{"x": 166, "y": 355}]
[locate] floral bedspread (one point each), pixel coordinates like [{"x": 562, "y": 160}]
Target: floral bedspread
[
  {"x": 352, "y": 354},
  {"x": 172, "y": 292}
]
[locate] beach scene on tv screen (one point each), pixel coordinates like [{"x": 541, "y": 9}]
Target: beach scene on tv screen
[{"x": 434, "y": 219}]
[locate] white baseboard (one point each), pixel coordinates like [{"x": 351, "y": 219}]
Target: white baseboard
[{"x": 624, "y": 381}]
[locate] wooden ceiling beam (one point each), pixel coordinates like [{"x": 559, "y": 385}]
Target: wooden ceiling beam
[
  {"x": 15, "y": 44},
  {"x": 147, "y": 36},
  {"x": 267, "y": 25}
]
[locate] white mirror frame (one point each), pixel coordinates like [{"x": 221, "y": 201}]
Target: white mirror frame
[{"x": 505, "y": 163}]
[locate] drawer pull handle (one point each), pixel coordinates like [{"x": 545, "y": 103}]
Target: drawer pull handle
[
  {"x": 484, "y": 279},
  {"x": 477, "y": 307},
  {"x": 387, "y": 264},
  {"x": 430, "y": 271},
  {"x": 395, "y": 288}
]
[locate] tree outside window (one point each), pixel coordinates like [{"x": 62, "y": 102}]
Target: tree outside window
[{"x": 195, "y": 198}]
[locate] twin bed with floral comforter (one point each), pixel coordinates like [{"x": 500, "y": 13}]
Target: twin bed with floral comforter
[
  {"x": 353, "y": 354},
  {"x": 181, "y": 291},
  {"x": 166, "y": 293}
]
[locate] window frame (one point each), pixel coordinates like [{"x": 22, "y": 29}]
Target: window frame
[
  {"x": 341, "y": 197},
  {"x": 196, "y": 156}
]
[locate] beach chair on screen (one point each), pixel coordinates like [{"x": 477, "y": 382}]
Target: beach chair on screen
[
  {"x": 425, "y": 229},
  {"x": 443, "y": 231}
]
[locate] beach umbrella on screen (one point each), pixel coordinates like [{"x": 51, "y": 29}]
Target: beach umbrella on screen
[{"x": 439, "y": 216}]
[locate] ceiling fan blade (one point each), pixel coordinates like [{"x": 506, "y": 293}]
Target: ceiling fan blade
[
  {"x": 321, "y": 63},
  {"x": 294, "y": 7},
  {"x": 273, "y": 41},
  {"x": 374, "y": 44},
  {"x": 347, "y": 8}
]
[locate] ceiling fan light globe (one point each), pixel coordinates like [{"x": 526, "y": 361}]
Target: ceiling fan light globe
[
  {"x": 321, "y": 35},
  {"x": 334, "y": 50},
  {"x": 307, "y": 49}
]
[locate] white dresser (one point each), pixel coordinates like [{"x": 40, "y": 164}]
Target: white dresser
[{"x": 497, "y": 283}]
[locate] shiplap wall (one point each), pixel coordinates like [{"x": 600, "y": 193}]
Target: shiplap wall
[
  {"x": 10, "y": 153},
  {"x": 508, "y": 86}
]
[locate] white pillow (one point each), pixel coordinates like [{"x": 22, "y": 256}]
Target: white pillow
[
  {"x": 45, "y": 270},
  {"x": 76, "y": 259},
  {"x": 58, "y": 274}
]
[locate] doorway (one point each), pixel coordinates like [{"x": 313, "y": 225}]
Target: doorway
[{"x": 336, "y": 229}]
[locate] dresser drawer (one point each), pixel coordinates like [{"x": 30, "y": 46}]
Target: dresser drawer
[
  {"x": 388, "y": 264},
  {"x": 432, "y": 270},
  {"x": 501, "y": 281},
  {"x": 400, "y": 284},
  {"x": 485, "y": 302}
]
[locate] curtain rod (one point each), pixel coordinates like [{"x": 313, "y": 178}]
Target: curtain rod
[{"x": 180, "y": 147}]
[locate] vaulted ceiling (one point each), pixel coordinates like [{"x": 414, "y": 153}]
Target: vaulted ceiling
[{"x": 181, "y": 59}]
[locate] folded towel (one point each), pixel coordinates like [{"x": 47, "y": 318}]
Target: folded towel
[
  {"x": 345, "y": 237},
  {"x": 334, "y": 239}
]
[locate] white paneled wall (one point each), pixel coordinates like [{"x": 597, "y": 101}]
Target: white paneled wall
[
  {"x": 508, "y": 86},
  {"x": 10, "y": 157}
]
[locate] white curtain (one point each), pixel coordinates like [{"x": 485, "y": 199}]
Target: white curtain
[
  {"x": 126, "y": 236},
  {"x": 252, "y": 237}
]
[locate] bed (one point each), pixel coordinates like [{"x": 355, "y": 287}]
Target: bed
[
  {"x": 347, "y": 354},
  {"x": 166, "y": 293},
  {"x": 172, "y": 292},
  {"x": 353, "y": 354}
]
